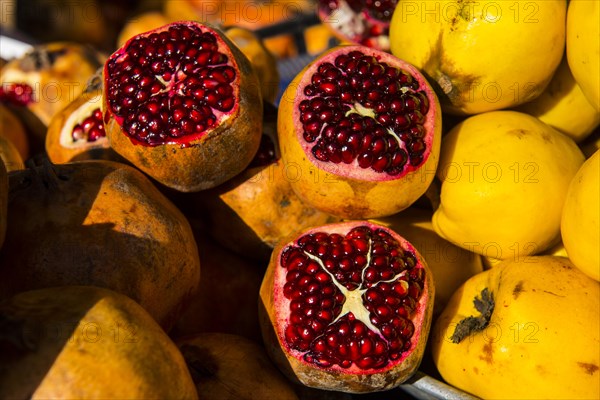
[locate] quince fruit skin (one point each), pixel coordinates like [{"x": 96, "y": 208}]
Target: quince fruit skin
[{"x": 537, "y": 339}]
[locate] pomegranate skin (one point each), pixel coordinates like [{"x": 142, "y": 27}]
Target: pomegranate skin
[
  {"x": 206, "y": 160},
  {"x": 336, "y": 378},
  {"x": 363, "y": 193},
  {"x": 62, "y": 148},
  {"x": 99, "y": 223}
]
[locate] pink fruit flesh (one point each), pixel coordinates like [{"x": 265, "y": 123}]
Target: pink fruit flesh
[
  {"x": 351, "y": 298},
  {"x": 171, "y": 85},
  {"x": 91, "y": 129},
  {"x": 364, "y": 111},
  {"x": 364, "y": 22}
]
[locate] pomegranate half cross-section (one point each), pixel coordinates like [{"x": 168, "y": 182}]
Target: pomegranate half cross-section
[
  {"x": 365, "y": 22},
  {"x": 347, "y": 307},
  {"x": 360, "y": 132},
  {"x": 183, "y": 104}
]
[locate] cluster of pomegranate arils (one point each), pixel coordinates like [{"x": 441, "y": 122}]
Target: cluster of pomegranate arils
[
  {"x": 361, "y": 109},
  {"x": 351, "y": 297},
  {"x": 371, "y": 17},
  {"x": 158, "y": 105},
  {"x": 18, "y": 94},
  {"x": 91, "y": 128}
]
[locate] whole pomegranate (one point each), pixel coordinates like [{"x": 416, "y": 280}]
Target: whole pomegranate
[
  {"x": 231, "y": 367},
  {"x": 261, "y": 58},
  {"x": 365, "y": 22},
  {"x": 183, "y": 104},
  {"x": 12, "y": 128},
  {"x": 230, "y": 210},
  {"x": 525, "y": 329},
  {"x": 359, "y": 131},
  {"x": 3, "y": 201},
  {"x": 98, "y": 223},
  {"x": 10, "y": 155},
  {"x": 346, "y": 307},
  {"x": 226, "y": 297},
  {"x": 85, "y": 342}
]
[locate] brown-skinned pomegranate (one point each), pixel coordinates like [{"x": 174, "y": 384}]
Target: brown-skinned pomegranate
[
  {"x": 183, "y": 104},
  {"x": 360, "y": 131},
  {"x": 13, "y": 129},
  {"x": 365, "y": 22},
  {"x": 85, "y": 342},
  {"x": 46, "y": 79},
  {"x": 231, "y": 212},
  {"x": 261, "y": 58},
  {"x": 347, "y": 307},
  {"x": 99, "y": 223},
  {"x": 226, "y": 297},
  {"x": 77, "y": 132},
  {"x": 10, "y": 155},
  {"x": 232, "y": 367},
  {"x": 3, "y": 201}
]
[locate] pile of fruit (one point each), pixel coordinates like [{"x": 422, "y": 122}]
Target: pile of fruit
[{"x": 423, "y": 196}]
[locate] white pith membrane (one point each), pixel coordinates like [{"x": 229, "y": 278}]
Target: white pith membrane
[
  {"x": 353, "y": 169},
  {"x": 353, "y": 302},
  {"x": 175, "y": 87},
  {"x": 354, "y": 25},
  {"x": 77, "y": 117}
]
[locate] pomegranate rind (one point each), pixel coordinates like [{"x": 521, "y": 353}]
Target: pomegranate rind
[
  {"x": 99, "y": 223},
  {"x": 261, "y": 58},
  {"x": 229, "y": 366},
  {"x": 219, "y": 153},
  {"x": 13, "y": 129},
  {"x": 346, "y": 190},
  {"x": 82, "y": 342},
  {"x": 238, "y": 224},
  {"x": 353, "y": 26},
  {"x": 57, "y": 85},
  {"x": 274, "y": 310},
  {"x": 60, "y": 146},
  {"x": 235, "y": 221},
  {"x": 3, "y": 201}
]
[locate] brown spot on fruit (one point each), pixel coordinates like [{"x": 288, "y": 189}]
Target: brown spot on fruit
[
  {"x": 518, "y": 289},
  {"x": 546, "y": 137},
  {"x": 519, "y": 133},
  {"x": 589, "y": 368},
  {"x": 541, "y": 369},
  {"x": 488, "y": 353}
]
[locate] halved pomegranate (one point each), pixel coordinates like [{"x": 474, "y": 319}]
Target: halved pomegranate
[
  {"x": 46, "y": 79},
  {"x": 361, "y": 130},
  {"x": 183, "y": 104},
  {"x": 347, "y": 307},
  {"x": 77, "y": 132},
  {"x": 365, "y": 22},
  {"x": 98, "y": 223}
]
